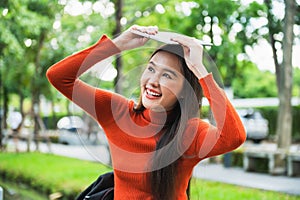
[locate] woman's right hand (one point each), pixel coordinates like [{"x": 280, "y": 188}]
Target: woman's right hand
[
  {"x": 128, "y": 40},
  {"x": 193, "y": 54}
]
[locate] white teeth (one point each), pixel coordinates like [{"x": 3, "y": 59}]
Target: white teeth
[{"x": 153, "y": 93}]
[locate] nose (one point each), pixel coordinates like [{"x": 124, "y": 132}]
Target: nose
[{"x": 154, "y": 80}]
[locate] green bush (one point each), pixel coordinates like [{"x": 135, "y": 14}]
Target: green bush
[
  {"x": 237, "y": 158},
  {"x": 54, "y": 138},
  {"x": 270, "y": 113}
]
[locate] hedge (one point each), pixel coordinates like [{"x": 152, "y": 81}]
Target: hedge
[{"x": 270, "y": 113}]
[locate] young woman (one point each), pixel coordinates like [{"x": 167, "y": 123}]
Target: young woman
[{"x": 156, "y": 142}]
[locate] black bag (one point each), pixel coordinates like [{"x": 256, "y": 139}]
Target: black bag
[{"x": 101, "y": 189}]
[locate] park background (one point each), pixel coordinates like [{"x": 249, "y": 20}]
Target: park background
[{"x": 255, "y": 52}]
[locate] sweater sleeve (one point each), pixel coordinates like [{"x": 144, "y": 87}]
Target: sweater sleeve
[
  {"x": 64, "y": 76},
  {"x": 228, "y": 133}
]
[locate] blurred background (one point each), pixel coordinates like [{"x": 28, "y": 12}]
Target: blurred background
[{"x": 254, "y": 54}]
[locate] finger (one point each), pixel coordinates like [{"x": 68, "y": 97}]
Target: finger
[
  {"x": 186, "y": 51},
  {"x": 144, "y": 40},
  {"x": 151, "y": 30},
  {"x": 182, "y": 39},
  {"x": 187, "y": 56}
]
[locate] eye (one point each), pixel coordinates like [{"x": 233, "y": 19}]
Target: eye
[
  {"x": 167, "y": 75},
  {"x": 150, "y": 69}
]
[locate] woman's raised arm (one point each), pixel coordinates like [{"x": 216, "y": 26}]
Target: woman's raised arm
[{"x": 64, "y": 75}]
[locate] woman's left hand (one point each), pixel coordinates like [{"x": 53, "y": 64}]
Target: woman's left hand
[
  {"x": 193, "y": 54},
  {"x": 128, "y": 40}
]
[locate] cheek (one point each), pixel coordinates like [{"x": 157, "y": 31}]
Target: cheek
[
  {"x": 173, "y": 87},
  {"x": 170, "y": 92},
  {"x": 143, "y": 78},
  {"x": 142, "y": 83}
]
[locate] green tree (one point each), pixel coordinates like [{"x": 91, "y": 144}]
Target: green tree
[
  {"x": 37, "y": 34},
  {"x": 11, "y": 55},
  {"x": 26, "y": 24},
  {"x": 285, "y": 73},
  {"x": 244, "y": 85},
  {"x": 42, "y": 14},
  {"x": 279, "y": 33}
]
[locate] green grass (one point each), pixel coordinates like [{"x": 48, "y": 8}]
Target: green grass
[
  {"x": 49, "y": 173},
  {"x": 220, "y": 191},
  {"x": 14, "y": 191}
]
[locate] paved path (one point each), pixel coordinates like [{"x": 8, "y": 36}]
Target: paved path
[
  {"x": 237, "y": 176},
  {"x": 204, "y": 170}
]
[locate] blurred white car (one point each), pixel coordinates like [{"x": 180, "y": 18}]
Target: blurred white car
[
  {"x": 257, "y": 127},
  {"x": 72, "y": 130}
]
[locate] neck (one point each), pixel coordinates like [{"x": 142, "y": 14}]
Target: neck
[{"x": 160, "y": 118}]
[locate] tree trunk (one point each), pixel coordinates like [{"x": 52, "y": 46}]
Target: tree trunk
[
  {"x": 272, "y": 32},
  {"x": 5, "y": 109},
  {"x": 1, "y": 119},
  {"x": 284, "y": 120},
  {"x": 54, "y": 117},
  {"x": 5, "y": 106},
  {"x": 21, "y": 108},
  {"x": 36, "y": 89},
  {"x": 35, "y": 113},
  {"x": 117, "y": 31}
]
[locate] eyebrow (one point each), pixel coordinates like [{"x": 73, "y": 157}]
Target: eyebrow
[{"x": 165, "y": 69}]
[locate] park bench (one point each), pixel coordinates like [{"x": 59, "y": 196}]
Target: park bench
[
  {"x": 254, "y": 159},
  {"x": 27, "y": 135},
  {"x": 293, "y": 164}
]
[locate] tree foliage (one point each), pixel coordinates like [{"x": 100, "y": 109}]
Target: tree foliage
[
  {"x": 245, "y": 85},
  {"x": 37, "y": 33}
]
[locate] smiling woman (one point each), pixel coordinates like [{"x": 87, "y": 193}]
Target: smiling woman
[
  {"x": 156, "y": 142},
  {"x": 162, "y": 82}
]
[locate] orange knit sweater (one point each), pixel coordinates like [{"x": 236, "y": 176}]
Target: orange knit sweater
[{"x": 132, "y": 136}]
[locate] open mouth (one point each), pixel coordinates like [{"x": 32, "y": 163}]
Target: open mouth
[{"x": 152, "y": 93}]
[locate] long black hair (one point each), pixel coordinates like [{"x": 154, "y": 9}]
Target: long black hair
[{"x": 163, "y": 180}]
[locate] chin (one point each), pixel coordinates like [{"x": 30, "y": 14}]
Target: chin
[{"x": 155, "y": 108}]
